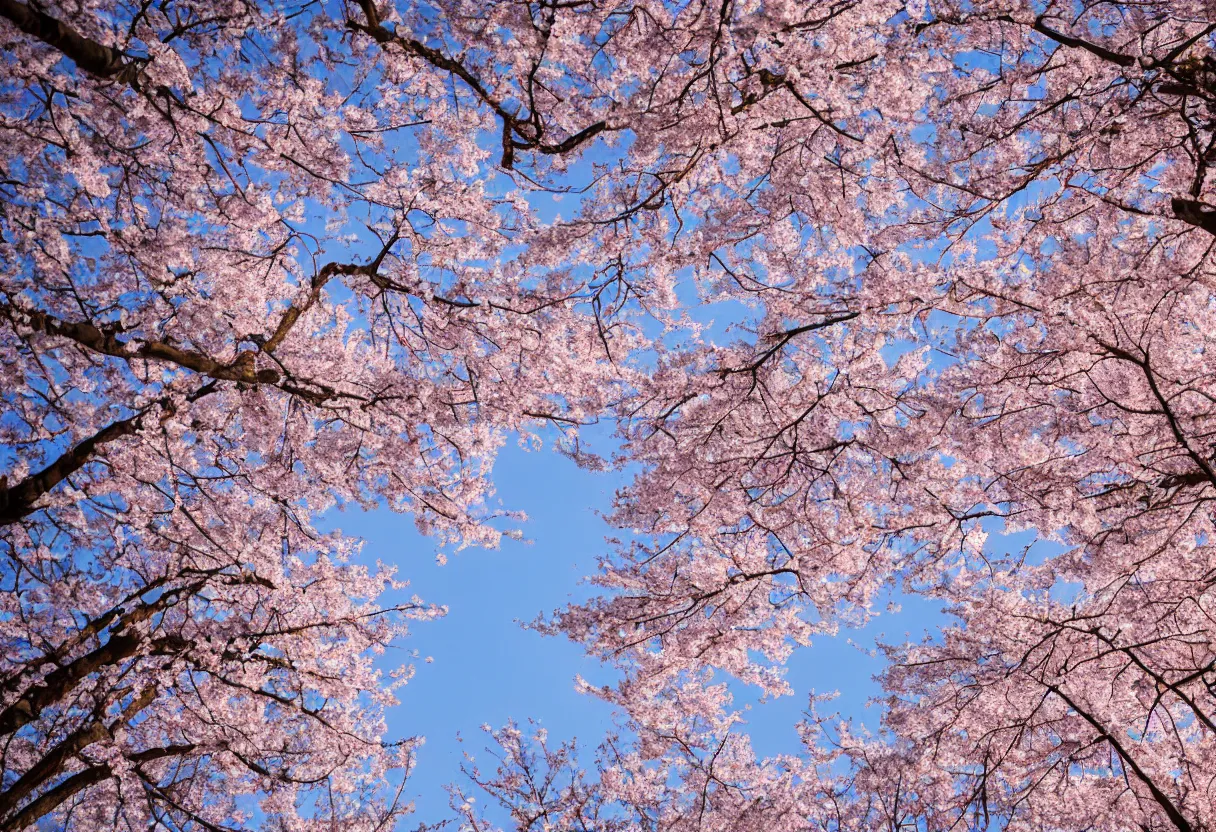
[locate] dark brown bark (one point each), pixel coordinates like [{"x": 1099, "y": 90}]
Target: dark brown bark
[
  {"x": 57, "y": 758},
  {"x": 91, "y": 56},
  {"x": 124, "y": 642},
  {"x": 1196, "y": 213},
  {"x": 63, "y": 792},
  {"x": 1162, "y": 799},
  {"x": 18, "y": 500},
  {"x": 107, "y": 341}
]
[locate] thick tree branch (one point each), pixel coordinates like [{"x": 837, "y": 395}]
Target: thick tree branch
[
  {"x": 105, "y": 340},
  {"x": 1075, "y": 43},
  {"x": 1176, "y": 817},
  {"x": 54, "y": 760},
  {"x": 73, "y": 785},
  {"x": 19, "y": 500},
  {"x": 124, "y": 642},
  {"x": 1196, "y": 213},
  {"x": 94, "y": 58}
]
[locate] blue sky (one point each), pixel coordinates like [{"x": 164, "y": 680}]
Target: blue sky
[{"x": 487, "y": 668}]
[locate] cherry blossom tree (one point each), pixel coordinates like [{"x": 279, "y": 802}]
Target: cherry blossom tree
[
  {"x": 234, "y": 297},
  {"x": 1015, "y": 338},
  {"x": 264, "y": 260}
]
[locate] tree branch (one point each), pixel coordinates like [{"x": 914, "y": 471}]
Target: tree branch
[
  {"x": 94, "y": 58},
  {"x": 106, "y": 341},
  {"x": 18, "y": 501}
]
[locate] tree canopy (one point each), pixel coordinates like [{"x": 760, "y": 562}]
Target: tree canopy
[{"x": 263, "y": 258}]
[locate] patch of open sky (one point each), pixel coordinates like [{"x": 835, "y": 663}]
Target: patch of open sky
[{"x": 478, "y": 664}]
